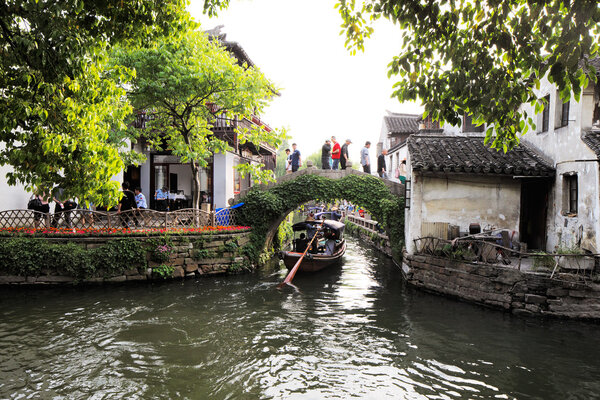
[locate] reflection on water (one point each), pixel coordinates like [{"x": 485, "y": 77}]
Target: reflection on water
[{"x": 352, "y": 331}]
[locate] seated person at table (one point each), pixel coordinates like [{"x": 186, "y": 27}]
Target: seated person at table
[
  {"x": 301, "y": 243},
  {"x": 161, "y": 196}
]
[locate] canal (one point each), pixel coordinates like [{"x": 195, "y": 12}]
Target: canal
[{"x": 354, "y": 331}]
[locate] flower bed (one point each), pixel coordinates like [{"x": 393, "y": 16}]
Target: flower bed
[{"x": 97, "y": 232}]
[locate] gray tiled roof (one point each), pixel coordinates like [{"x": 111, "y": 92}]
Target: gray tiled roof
[
  {"x": 402, "y": 123},
  {"x": 592, "y": 140},
  {"x": 460, "y": 154}
]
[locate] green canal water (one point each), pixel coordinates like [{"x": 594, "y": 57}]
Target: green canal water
[{"x": 352, "y": 332}]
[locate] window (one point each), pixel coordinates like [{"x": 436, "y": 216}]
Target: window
[
  {"x": 570, "y": 193},
  {"x": 564, "y": 118},
  {"x": 546, "y": 114},
  {"x": 468, "y": 125},
  {"x": 429, "y": 123},
  {"x": 562, "y": 112}
]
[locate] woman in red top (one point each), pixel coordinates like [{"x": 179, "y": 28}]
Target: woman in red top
[{"x": 336, "y": 152}]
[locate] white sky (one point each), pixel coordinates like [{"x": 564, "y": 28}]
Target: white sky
[{"x": 324, "y": 90}]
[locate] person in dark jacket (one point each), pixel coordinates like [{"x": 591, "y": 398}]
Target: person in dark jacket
[
  {"x": 126, "y": 203},
  {"x": 344, "y": 156},
  {"x": 381, "y": 167},
  {"x": 326, "y": 154}
]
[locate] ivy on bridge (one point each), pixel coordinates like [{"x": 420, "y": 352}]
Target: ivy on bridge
[{"x": 265, "y": 208}]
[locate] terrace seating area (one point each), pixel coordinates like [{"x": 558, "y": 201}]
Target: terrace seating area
[{"x": 136, "y": 219}]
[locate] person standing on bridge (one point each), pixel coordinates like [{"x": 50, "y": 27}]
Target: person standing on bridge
[
  {"x": 381, "y": 167},
  {"x": 335, "y": 154},
  {"x": 288, "y": 161},
  {"x": 365, "y": 160},
  {"x": 296, "y": 159},
  {"x": 344, "y": 154},
  {"x": 326, "y": 154}
]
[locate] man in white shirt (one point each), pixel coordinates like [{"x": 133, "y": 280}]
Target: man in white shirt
[{"x": 365, "y": 160}]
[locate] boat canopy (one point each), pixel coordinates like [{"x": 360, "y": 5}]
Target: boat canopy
[
  {"x": 302, "y": 226},
  {"x": 335, "y": 226},
  {"x": 329, "y": 214}
]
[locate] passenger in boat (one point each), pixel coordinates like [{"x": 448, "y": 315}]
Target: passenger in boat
[
  {"x": 301, "y": 243},
  {"x": 329, "y": 244}
]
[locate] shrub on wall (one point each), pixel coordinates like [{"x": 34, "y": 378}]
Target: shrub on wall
[
  {"x": 264, "y": 208},
  {"x": 31, "y": 256}
]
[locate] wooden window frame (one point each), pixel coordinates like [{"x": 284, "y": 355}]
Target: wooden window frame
[
  {"x": 468, "y": 125},
  {"x": 564, "y": 115},
  {"x": 571, "y": 190},
  {"x": 546, "y": 115}
]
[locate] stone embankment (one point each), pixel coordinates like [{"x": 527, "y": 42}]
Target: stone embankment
[
  {"x": 520, "y": 292},
  {"x": 366, "y": 230},
  {"x": 189, "y": 256}
]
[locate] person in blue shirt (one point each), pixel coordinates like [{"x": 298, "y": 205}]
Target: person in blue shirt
[
  {"x": 140, "y": 199},
  {"x": 161, "y": 196},
  {"x": 365, "y": 160},
  {"x": 296, "y": 159}
]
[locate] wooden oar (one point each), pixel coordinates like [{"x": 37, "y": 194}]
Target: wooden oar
[{"x": 292, "y": 272}]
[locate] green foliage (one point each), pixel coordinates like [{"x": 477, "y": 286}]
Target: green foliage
[
  {"x": 281, "y": 158},
  {"x": 163, "y": 270},
  {"x": 572, "y": 249},
  {"x": 484, "y": 58},
  {"x": 284, "y": 235},
  {"x": 29, "y": 256},
  {"x": 188, "y": 82},
  {"x": 231, "y": 246},
  {"x": 239, "y": 267},
  {"x": 202, "y": 254},
  {"x": 160, "y": 248},
  {"x": 542, "y": 260},
  {"x": 263, "y": 207},
  {"x": 61, "y": 109},
  {"x": 315, "y": 158},
  {"x": 119, "y": 255}
]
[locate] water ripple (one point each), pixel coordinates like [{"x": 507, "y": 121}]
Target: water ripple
[{"x": 352, "y": 332}]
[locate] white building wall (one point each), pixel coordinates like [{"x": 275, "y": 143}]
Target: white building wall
[
  {"x": 184, "y": 177},
  {"x": 13, "y": 197},
  {"x": 569, "y": 154},
  {"x": 145, "y": 172},
  {"x": 492, "y": 202},
  {"x": 223, "y": 178},
  {"x": 394, "y": 159}
]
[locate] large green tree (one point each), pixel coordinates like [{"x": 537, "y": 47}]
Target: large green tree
[
  {"x": 484, "y": 57},
  {"x": 61, "y": 110},
  {"x": 186, "y": 82}
]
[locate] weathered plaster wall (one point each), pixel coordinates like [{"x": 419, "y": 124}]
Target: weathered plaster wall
[
  {"x": 569, "y": 154},
  {"x": 497, "y": 286},
  {"x": 462, "y": 200}
]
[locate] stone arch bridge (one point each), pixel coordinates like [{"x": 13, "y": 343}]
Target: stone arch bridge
[{"x": 266, "y": 206}]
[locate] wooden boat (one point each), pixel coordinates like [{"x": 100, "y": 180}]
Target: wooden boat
[{"x": 313, "y": 262}]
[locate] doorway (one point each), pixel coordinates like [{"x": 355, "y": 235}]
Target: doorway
[{"x": 534, "y": 211}]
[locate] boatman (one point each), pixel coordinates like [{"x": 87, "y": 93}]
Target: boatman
[{"x": 311, "y": 230}]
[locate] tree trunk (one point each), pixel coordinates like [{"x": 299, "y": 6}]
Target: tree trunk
[{"x": 196, "y": 175}]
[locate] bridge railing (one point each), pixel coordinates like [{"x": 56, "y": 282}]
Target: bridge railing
[{"x": 135, "y": 219}]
